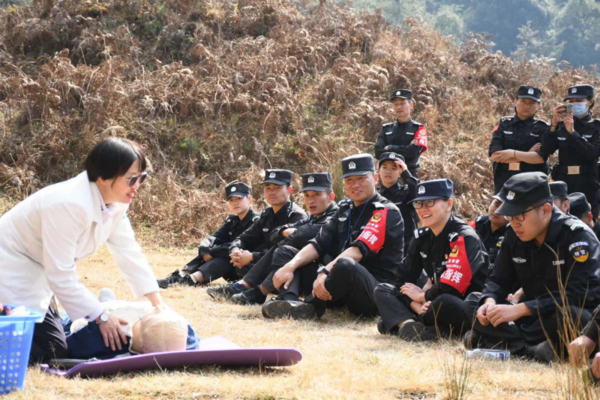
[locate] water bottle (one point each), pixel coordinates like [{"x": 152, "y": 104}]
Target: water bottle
[{"x": 489, "y": 354}]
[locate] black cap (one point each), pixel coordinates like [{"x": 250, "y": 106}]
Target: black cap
[
  {"x": 579, "y": 205},
  {"x": 237, "y": 189},
  {"x": 360, "y": 164},
  {"x": 580, "y": 92},
  {"x": 558, "y": 189},
  {"x": 278, "y": 176},
  {"x": 401, "y": 93},
  {"x": 317, "y": 181},
  {"x": 529, "y": 92},
  {"x": 434, "y": 189},
  {"x": 390, "y": 156},
  {"x": 522, "y": 191}
]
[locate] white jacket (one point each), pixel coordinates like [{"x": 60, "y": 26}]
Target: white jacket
[{"x": 43, "y": 237}]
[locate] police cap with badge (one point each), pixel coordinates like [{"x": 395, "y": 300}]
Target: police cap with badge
[
  {"x": 317, "y": 181},
  {"x": 278, "y": 176},
  {"x": 558, "y": 189},
  {"x": 434, "y": 189},
  {"x": 359, "y": 164},
  {"x": 529, "y": 92},
  {"x": 401, "y": 94},
  {"x": 579, "y": 205},
  {"x": 390, "y": 155},
  {"x": 522, "y": 191},
  {"x": 580, "y": 92},
  {"x": 237, "y": 189}
]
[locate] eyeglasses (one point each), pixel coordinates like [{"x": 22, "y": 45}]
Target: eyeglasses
[
  {"x": 424, "y": 203},
  {"x": 134, "y": 179},
  {"x": 521, "y": 217}
]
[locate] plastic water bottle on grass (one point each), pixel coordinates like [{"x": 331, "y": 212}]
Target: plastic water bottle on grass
[{"x": 489, "y": 354}]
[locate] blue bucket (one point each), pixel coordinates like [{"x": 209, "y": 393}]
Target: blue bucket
[{"x": 16, "y": 335}]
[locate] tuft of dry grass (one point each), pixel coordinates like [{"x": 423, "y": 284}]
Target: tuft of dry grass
[{"x": 343, "y": 357}]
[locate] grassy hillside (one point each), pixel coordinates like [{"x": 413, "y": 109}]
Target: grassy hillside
[{"x": 218, "y": 90}]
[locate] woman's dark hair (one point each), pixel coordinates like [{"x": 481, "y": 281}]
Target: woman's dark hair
[{"x": 113, "y": 157}]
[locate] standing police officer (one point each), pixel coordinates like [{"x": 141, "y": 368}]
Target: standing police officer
[
  {"x": 576, "y": 137},
  {"x": 405, "y": 136},
  {"x": 365, "y": 237},
  {"x": 248, "y": 248},
  {"x": 521, "y": 132},
  {"x": 555, "y": 258}
]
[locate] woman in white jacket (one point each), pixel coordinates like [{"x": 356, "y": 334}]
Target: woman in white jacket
[{"x": 43, "y": 237}]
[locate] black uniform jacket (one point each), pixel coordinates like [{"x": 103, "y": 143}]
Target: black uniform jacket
[
  {"x": 217, "y": 244},
  {"x": 375, "y": 228},
  {"x": 491, "y": 240},
  {"x": 257, "y": 238},
  {"x": 567, "y": 262},
  {"x": 455, "y": 260},
  {"x": 305, "y": 229},
  {"x": 408, "y": 139},
  {"x": 401, "y": 195}
]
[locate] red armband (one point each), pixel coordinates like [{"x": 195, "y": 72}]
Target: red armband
[
  {"x": 496, "y": 128},
  {"x": 421, "y": 138},
  {"x": 373, "y": 235},
  {"x": 458, "y": 272},
  {"x": 472, "y": 224}
]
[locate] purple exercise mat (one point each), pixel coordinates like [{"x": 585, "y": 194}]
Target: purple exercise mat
[{"x": 213, "y": 351}]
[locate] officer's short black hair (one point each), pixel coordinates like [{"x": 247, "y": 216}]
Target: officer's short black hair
[{"x": 113, "y": 157}]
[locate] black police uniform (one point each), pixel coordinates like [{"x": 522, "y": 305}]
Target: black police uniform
[
  {"x": 257, "y": 238},
  {"x": 558, "y": 189},
  {"x": 406, "y": 138},
  {"x": 566, "y": 265},
  {"x": 376, "y": 229},
  {"x": 577, "y": 153},
  {"x": 491, "y": 239},
  {"x": 521, "y": 135},
  {"x": 456, "y": 262},
  {"x": 401, "y": 195}
]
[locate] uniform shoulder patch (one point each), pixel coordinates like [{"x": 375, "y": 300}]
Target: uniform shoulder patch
[
  {"x": 508, "y": 118},
  {"x": 452, "y": 236},
  {"x": 345, "y": 202},
  {"x": 421, "y": 232},
  {"x": 388, "y": 124},
  {"x": 378, "y": 205},
  {"x": 580, "y": 251}
]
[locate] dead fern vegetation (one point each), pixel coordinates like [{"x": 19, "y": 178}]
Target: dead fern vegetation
[{"x": 218, "y": 90}]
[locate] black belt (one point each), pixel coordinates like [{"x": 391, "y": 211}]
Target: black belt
[{"x": 583, "y": 170}]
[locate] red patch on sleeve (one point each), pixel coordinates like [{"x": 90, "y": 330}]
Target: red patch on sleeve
[
  {"x": 472, "y": 224},
  {"x": 496, "y": 128},
  {"x": 421, "y": 137},
  {"x": 458, "y": 272},
  {"x": 373, "y": 235}
]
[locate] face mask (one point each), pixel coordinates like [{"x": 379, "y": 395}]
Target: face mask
[{"x": 579, "y": 109}]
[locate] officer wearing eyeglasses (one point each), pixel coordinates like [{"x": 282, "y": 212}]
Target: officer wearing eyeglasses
[
  {"x": 453, "y": 257},
  {"x": 554, "y": 257}
]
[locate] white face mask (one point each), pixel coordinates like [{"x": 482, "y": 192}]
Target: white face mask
[{"x": 580, "y": 109}]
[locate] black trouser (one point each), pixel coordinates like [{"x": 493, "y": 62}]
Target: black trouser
[
  {"x": 535, "y": 329},
  {"x": 586, "y": 184},
  {"x": 49, "y": 340},
  {"x": 261, "y": 269},
  {"x": 352, "y": 285},
  {"x": 220, "y": 267},
  {"x": 448, "y": 313}
]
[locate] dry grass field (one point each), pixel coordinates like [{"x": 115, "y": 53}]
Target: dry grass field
[{"x": 344, "y": 357}]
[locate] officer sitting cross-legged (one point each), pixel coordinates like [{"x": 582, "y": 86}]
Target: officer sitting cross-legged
[
  {"x": 453, "y": 257},
  {"x": 248, "y": 248},
  {"x": 213, "y": 261},
  {"x": 289, "y": 239},
  {"x": 554, "y": 257},
  {"x": 365, "y": 239},
  {"x": 491, "y": 229}
]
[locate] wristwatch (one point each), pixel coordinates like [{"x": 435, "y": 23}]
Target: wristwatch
[
  {"x": 323, "y": 270},
  {"x": 103, "y": 317}
]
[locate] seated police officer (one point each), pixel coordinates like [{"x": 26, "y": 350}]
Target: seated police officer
[
  {"x": 580, "y": 208},
  {"x": 554, "y": 257},
  {"x": 288, "y": 239},
  {"x": 249, "y": 247},
  {"x": 405, "y": 136},
  {"x": 491, "y": 229},
  {"x": 392, "y": 168},
  {"x": 365, "y": 240},
  {"x": 560, "y": 196},
  {"x": 454, "y": 259},
  {"x": 586, "y": 345},
  {"x": 213, "y": 261}
]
